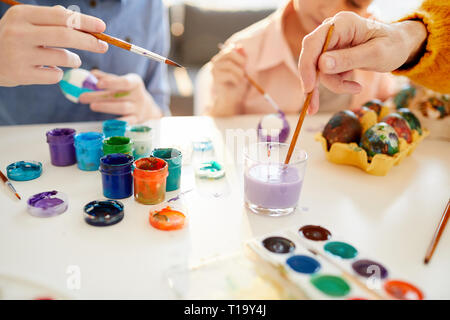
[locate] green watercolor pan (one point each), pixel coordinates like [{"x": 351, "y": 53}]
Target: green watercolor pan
[{"x": 321, "y": 265}]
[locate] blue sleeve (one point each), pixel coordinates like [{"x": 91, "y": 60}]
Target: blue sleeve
[{"x": 156, "y": 77}]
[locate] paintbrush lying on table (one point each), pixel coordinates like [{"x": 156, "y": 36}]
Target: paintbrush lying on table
[
  {"x": 9, "y": 184},
  {"x": 120, "y": 43}
]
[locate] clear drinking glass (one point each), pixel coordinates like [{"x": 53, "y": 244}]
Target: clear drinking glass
[{"x": 271, "y": 187}]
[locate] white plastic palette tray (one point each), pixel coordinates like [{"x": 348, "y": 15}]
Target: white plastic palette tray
[{"x": 376, "y": 282}]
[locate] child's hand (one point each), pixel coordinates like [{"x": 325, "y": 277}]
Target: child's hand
[
  {"x": 356, "y": 43},
  {"x": 228, "y": 67},
  {"x": 32, "y": 38},
  {"x": 122, "y": 95}
]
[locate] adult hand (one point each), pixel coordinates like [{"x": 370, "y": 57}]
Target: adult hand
[
  {"x": 32, "y": 39},
  {"x": 356, "y": 43},
  {"x": 122, "y": 95}
]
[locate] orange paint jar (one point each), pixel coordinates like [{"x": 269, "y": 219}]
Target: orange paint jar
[{"x": 150, "y": 180}]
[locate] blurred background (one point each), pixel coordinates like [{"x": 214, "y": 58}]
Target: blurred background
[{"x": 198, "y": 26}]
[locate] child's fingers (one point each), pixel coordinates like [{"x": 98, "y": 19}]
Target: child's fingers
[
  {"x": 104, "y": 96},
  {"x": 228, "y": 66},
  {"x": 56, "y": 57},
  {"x": 122, "y": 83},
  {"x": 99, "y": 74},
  {"x": 59, "y": 16},
  {"x": 111, "y": 107},
  {"x": 62, "y": 37}
]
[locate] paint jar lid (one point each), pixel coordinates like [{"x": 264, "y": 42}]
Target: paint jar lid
[
  {"x": 172, "y": 156},
  {"x": 167, "y": 217},
  {"x": 24, "y": 170},
  {"x": 47, "y": 204},
  {"x": 116, "y": 163},
  {"x": 210, "y": 170},
  {"x": 102, "y": 213},
  {"x": 89, "y": 139},
  {"x": 151, "y": 168},
  {"x": 61, "y": 135}
]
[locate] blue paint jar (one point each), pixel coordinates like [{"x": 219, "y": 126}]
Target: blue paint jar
[
  {"x": 173, "y": 158},
  {"x": 117, "y": 178},
  {"x": 114, "y": 128},
  {"x": 88, "y": 148}
]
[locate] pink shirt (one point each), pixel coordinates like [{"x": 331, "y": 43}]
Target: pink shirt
[{"x": 271, "y": 64}]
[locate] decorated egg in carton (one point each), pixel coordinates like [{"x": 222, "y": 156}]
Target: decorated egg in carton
[
  {"x": 432, "y": 108},
  {"x": 380, "y": 146}
]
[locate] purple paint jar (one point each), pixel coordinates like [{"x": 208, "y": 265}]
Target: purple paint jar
[{"x": 62, "y": 149}]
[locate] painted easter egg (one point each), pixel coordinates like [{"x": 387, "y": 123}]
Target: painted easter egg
[
  {"x": 375, "y": 105},
  {"x": 343, "y": 127},
  {"x": 273, "y": 128},
  {"x": 400, "y": 126},
  {"x": 403, "y": 98},
  {"x": 360, "y": 111},
  {"x": 75, "y": 82},
  {"x": 434, "y": 108},
  {"x": 380, "y": 138},
  {"x": 412, "y": 120}
]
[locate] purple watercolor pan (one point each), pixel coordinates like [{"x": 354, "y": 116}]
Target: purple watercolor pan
[
  {"x": 47, "y": 204},
  {"x": 62, "y": 149}
]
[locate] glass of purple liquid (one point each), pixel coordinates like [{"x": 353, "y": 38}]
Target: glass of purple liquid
[{"x": 272, "y": 188}]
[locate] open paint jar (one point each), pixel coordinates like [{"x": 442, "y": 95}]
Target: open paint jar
[
  {"x": 114, "y": 128},
  {"x": 271, "y": 187},
  {"x": 118, "y": 145},
  {"x": 174, "y": 159},
  {"x": 47, "y": 204},
  {"x": 150, "y": 176},
  {"x": 88, "y": 147},
  {"x": 142, "y": 140},
  {"x": 62, "y": 149},
  {"x": 117, "y": 178}
]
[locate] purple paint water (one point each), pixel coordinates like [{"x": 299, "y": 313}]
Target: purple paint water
[
  {"x": 44, "y": 200},
  {"x": 273, "y": 186}
]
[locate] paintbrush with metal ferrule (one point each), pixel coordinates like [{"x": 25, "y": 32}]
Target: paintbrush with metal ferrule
[
  {"x": 119, "y": 43},
  {"x": 9, "y": 184}
]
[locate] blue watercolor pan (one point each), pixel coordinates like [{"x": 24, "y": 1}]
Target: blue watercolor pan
[
  {"x": 24, "y": 170},
  {"x": 103, "y": 213}
]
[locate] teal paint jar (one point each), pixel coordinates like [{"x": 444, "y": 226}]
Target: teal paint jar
[
  {"x": 88, "y": 149},
  {"x": 173, "y": 158},
  {"x": 118, "y": 145},
  {"x": 142, "y": 140},
  {"x": 114, "y": 128}
]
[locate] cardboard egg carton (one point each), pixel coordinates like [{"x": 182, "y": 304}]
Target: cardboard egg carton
[{"x": 354, "y": 155}]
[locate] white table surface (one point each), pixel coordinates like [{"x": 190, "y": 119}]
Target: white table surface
[{"x": 391, "y": 218}]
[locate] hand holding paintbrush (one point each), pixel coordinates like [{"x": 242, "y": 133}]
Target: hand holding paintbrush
[{"x": 32, "y": 38}]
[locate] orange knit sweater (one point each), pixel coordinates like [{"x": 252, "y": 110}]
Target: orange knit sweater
[{"x": 433, "y": 68}]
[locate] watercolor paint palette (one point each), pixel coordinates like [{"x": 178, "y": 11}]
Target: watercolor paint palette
[{"x": 321, "y": 265}]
